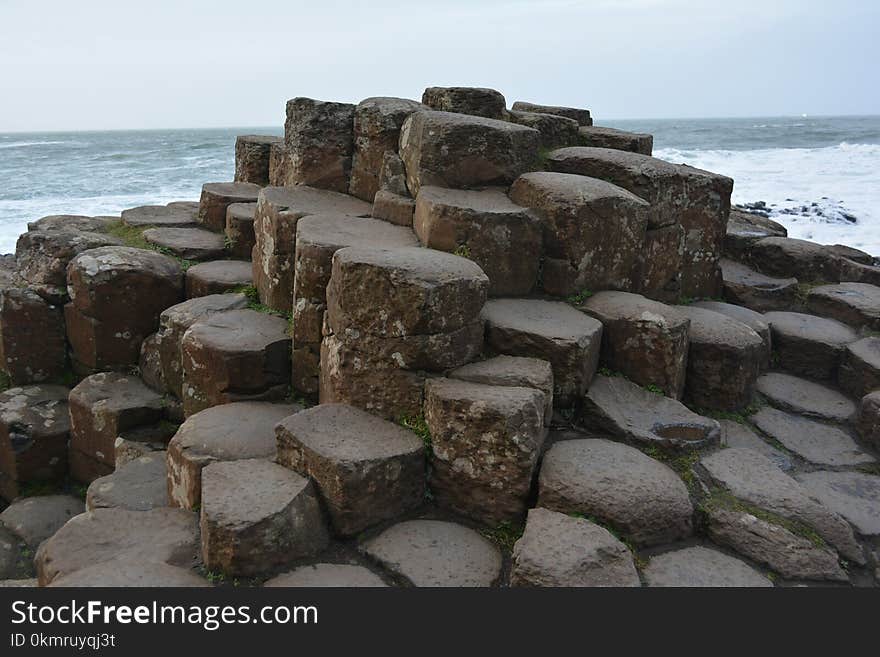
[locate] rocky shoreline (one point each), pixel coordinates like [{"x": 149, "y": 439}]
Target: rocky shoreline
[{"x": 439, "y": 343}]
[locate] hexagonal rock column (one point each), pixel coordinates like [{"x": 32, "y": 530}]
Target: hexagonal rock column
[
  {"x": 644, "y": 340},
  {"x": 658, "y": 273},
  {"x": 515, "y": 371},
  {"x": 34, "y": 430},
  {"x": 138, "y": 485},
  {"x": 485, "y": 443},
  {"x": 697, "y": 200},
  {"x": 751, "y": 318},
  {"x": 436, "y": 553},
  {"x": 724, "y": 359},
  {"x": 218, "y": 277},
  {"x": 794, "y": 258},
  {"x": 853, "y": 495},
  {"x": 103, "y": 406},
  {"x": 559, "y": 550},
  {"x": 160, "y": 536},
  {"x": 165, "y": 216},
  {"x": 808, "y": 345},
  {"x": 746, "y": 287},
  {"x": 33, "y": 345},
  {"x": 549, "y": 330},
  {"x": 621, "y": 408},
  {"x": 619, "y": 485},
  {"x": 72, "y": 222},
  {"x": 116, "y": 295},
  {"x": 856, "y": 304},
  {"x": 556, "y": 131},
  {"x": 393, "y": 208},
  {"x": 217, "y": 197},
  {"x": 582, "y": 116},
  {"x": 237, "y": 355},
  {"x": 318, "y": 237},
  {"x": 634, "y": 142},
  {"x": 34, "y": 519},
  {"x": 125, "y": 572},
  {"x": 503, "y": 238},
  {"x": 319, "y": 139},
  {"x": 327, "y": 575},
  {"x": 593, "y": 231},
  {"x": 252, "y": 154},
  {"x": 187, "y": 243},
  {"x": 435, "y": 146},
  {"x": 392, "y": 314},
  {"x": 366, "y": 469},
  {"x": 701, "y": 567},
  {"x": 164, "y": 346},
  {"x": 476, "y": 101},
  {"x": 278, "y": 211},
  {"x": 257, "y": 515},
  {"x": 745, "y": 228},
  {"x": 377, "y": 123},
  {"x": 797, "y": 395},
  {"x": 231, "y": 432},
  {"x": 279, "y": 163},
  {"x": 240, "y": 229},
  {"x": 42, "y": 257},
  {"x": 859, "y": 372},
  {"x": 869, "y": 419}
]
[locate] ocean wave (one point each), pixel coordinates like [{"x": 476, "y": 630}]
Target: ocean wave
[{"x": 23, "y": 144}]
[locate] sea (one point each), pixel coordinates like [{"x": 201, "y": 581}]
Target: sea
[{"x": 818, "y": 176}]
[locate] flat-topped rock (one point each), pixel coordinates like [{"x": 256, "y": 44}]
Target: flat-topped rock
[
  {"x": 644, "y": 340},
  {"x": 117, "y": 294},
  {"x": 434, "y": 146},
  {"x": 33, "y": 345},
  {"x": 503, "y": 238},
  {"x": 853, "y": 495},
  {"x": 187, "y": 243},
  {"x": 621, "y": 140},
  {"x": 751, "y": 318},
  {"x": 724, "y": 359},
  {"x": 594, "y": 231},
  {"x": 366, "y": 469},
  {"x": 393, "y": 208},
  {"x": 516, "y": 371},
  {"x": 34, "y": 431},
  {"x": 139, "y": 485},
  {"x": 476, "y": 101},
  {"x": 126, "y": 572},
  {"x": 551, "y": 331},
  {"x": 556, "y": 131},
  {"x": 403, "y": 291},
  {"x": 231, "y": 432},
  {"x": 73, "y": 222},
  {"x": 620, "y": 407},
  {"x": 159, "y": 215},
  {"x": 745, "y": 228},
  {"x": 640, "y": 497},
  {"x": 856, "y": 304},
  {"x": 217, "y": 277},
  {"x": 336, "y": 575},
  {"x": 13, "y": 560},
  {"x": 859, "y": 372},
  {"x": 256, "y": 516},
  {"x": 28, "y": 583},
  {"x": 237, "y": 355},
  {"x": 582, "y": 116},
  {"x": 252, "y": 155},
  {"x": 436, "y": 553},
  {"x": 377, "y": 123},
  {"x": 869, "y": 419},
  {"x": 216, "y": 197},
  {"x": 696, "y": 200},
  {"x": 746, "y": 287},
  {"x": 735, "y": 434},
  {"x": 793, "y": 258},
  {"x": 851, "y": 253},
  {"x": 34, "y": 519},
  {"x": 753, "y": 478},
  {"x": 239, "y": 232},
  {"x": 701, "y": 567},
  {"x": 485, "y": 443},
  {"x": 809, "y": 345},
  {"x": 103, "y": 406},
  {"x": 319, "y": 143},
  {"x": 803, "y": 397},
  {"x": 160, "y": 361},
  {"x": 168, "y": 536},
  {"x": 813, "y": 441},
  {"x": 563, "y": 551}
]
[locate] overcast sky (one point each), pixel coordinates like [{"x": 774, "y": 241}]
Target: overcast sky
[{"x": 106, "y": 64}]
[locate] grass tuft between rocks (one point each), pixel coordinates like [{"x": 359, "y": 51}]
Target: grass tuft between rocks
[
  {"x": 254, "y": 303},
  {"x": 418, "y": 426},
  {"x": 505, "y": 534},
  {"x": 133, "y": 236},
  {"x": 681, "y": 462},
  {"x": 578, "y": 298}
]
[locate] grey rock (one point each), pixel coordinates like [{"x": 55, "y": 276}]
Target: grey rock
[
  {"x": 159, "y": 215},
  {"x": 476, "y": 101},
  {"x": 701, "y": 567},
  {"x": 218, "y": 277},
  {"x": 139, "y": 485},
  {"x": 187, "y": 243},
  {"x": 336, "y": 575},
  {"x": 803, "y": 397},
  {"x": 809, "y": 345},
  {"x": 128, "y": 572},
  {"x": 853, "y": 495},
  {"x": 859, "y": 372},
  {"x": 751, "y": 318},
  {"x": 582, "y": 116},
  {"x": 856, "y": 304},
  {"x": 34, "y": 519},
  {"x": 734, "y": 434},
  {"x": 746, "y": 287},
  {"x": 621, "y": 140}
]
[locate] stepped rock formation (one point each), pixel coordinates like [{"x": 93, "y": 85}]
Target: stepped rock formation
[{"x": 439, "y": 342}]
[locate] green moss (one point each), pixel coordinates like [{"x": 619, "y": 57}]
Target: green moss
[
  {"x": 504, "y": 535},
  {"x": 802, "y": 291},
  {"x": 544, "y": 156},
  {"x": 5, "y": 381},
  {"x": 653, "y": 387},
  {"x": 607, "y": 371},
  {"x": 578, "y": 298},
  {"x": 463, "y": 251},
  {"x": 418, "y": 426},
  {"x": 720, "y": 498},
  {"x": 133, "y": 236},
  {"x": 682, "y": 462},
  {"x": 254, "y": 303},
  {"x": 740, "y": 417}
]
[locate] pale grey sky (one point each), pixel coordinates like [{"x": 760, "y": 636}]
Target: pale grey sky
[{"x": 107, "y": 64}]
